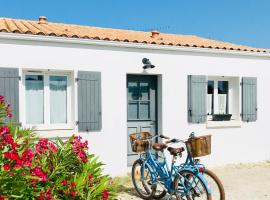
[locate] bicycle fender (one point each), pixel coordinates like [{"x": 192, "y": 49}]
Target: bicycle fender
[{"x": 201, "y": 176}]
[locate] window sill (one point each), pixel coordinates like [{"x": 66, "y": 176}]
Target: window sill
[
  {"x": 49, "y": 127},
  {"x": 223, "y": 124}
]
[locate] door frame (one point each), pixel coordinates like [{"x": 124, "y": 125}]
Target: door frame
[{"x": 158, "y": 106}]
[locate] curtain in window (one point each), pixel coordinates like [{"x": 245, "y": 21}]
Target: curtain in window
[
  {"x": 58, "y": 99},
  {"x": 34, "y": 92},
  {"x": 222, "y": 103}
]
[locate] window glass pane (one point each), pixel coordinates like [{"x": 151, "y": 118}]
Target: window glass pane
[
  {"x": 223, "y": 87},
  {"x": 34, "y": 92},
  {"x": 210, "y": 98},
  {"x": 133, "y": 110},
  {"x": 144, "y": 90},
  {"x": 210, "y": 87},
  {"x": 133, "y": 91},
  {"x": 223, "y": 97},
  {"x": 58, "y": 99},
  {"x": 144, "y": 110}
]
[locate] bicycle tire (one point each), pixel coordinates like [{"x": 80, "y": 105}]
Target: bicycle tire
[
  {"x": 162, "y": 194},
  {"x": 193, "y": 192},
  {"x": 149, "y": 191},
  {"x": 213, "y": 176}
]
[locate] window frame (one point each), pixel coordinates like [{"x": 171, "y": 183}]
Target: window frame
[{"x": 46, "y": 99}]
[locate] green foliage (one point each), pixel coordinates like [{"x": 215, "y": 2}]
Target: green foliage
[{"x": 37, "y": 168}]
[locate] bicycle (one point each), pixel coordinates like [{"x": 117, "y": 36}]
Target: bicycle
[
  {"x": 150, "y": 172},
  {"x": 213, "y": 184}
]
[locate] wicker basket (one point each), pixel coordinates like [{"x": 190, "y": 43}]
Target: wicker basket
[
  {"x": 136, "y": 142},
  {"x": 200, "y": 146}
]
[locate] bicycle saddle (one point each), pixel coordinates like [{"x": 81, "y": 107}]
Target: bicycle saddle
[
  {"x": 159, "y": 146},
  {"x": 175, "y": 151}
]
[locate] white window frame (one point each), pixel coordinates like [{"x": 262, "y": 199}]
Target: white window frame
[{"x": 47, "y": 125}]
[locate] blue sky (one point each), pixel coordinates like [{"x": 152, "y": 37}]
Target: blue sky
[{"x": 238, "y": 21}]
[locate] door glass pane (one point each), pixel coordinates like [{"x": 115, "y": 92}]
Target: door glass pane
[
  {"x": 144, "y": 91},
  {"x": 133, "y": 110},
  {"x": 144, "y": 110},
  {"x": 133, "y": 91},
  {"x": 34, "y": 92},
  {"x": 223, "y": 89},
  {"x": 58, "y": 99}
]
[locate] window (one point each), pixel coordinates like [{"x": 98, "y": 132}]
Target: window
[
  {"x": 223, "y": 97},
  {"x": 223, "y": 102},
  {"x": 47, "y": 99}
]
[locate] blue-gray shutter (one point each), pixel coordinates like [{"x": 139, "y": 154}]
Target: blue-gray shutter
[
  {"x": 9, "y": 88},
  {"x": 89, "y": 101},
  {"x": 197, "y": 93},
  {"x": 249, "y": 99}
]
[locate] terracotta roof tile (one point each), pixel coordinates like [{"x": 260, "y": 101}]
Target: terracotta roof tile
[{"x": 87, "y": 32}]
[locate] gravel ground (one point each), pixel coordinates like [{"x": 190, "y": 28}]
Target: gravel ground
[{"x": 241, "y": 182}]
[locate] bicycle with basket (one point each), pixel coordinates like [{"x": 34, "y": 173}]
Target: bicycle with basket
[{"x": 189, "y": 180}]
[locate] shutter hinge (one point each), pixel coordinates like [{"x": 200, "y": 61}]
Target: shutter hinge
[
  {"x": 76, "y": 79},
  {"x": 240, "y": 83},
  {"x": 77, "y": 123},
  {"x": 20, "y": 78}
]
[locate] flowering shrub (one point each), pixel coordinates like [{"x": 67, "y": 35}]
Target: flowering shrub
[{"x": 33, "y": 168}]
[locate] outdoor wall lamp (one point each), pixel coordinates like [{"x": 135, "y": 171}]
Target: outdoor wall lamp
[{"x": 147, "y": 64}]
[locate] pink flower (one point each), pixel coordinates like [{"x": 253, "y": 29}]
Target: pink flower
[
  {"x": 7, "y": 155},
  {"x": 1, "y": 99},
  {"x": 80, "y": 148},
  {"x": 73, "y": 193},
  {"x": 47, "y": 195},
  {"x": 37, "y": 171},
  {"x": 105, "y": 195},
  {"x": 90, "y": 177},
  {"x": 64, "y": 182},
  {"x": 13, "y": 155},
  {"x": 72, "y": 184},
  {"x": 4, "y": 130},
  {"x": 9, "y": 115},
  {"x": 6, "y": 166}
]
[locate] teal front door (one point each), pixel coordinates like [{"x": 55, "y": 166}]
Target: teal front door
[{"x": 141, "y": 107}]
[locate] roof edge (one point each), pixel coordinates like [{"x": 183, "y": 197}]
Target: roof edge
[{"x": 119, "y": 44}]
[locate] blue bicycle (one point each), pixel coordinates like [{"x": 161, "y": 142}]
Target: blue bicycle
[{"x": 152, "y": 177}]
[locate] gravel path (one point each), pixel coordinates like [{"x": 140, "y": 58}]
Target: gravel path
[{"x": 241, "y": 182}]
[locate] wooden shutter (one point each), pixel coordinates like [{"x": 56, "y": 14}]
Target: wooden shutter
[
  {"x": 89, "y": 101},
  {"x": 197, "y": 93},
  {"x": 9, "y": 88},
  {"x": 249, "y": 99}
]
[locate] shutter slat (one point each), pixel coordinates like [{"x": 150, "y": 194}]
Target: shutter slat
[
  {"x": 197, "y": 93},
  {"x": 89, "y": 101},
  {"x": 249, "y": 99},
  {"x": 9, "y": 88}
]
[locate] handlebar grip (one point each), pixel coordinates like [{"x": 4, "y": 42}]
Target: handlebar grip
[{"x": 164, "y": 137}]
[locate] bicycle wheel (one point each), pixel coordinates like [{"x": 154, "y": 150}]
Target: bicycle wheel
[
  {"x": 190, "y": 186},
  {"x": 160, "y": 189},
  {"x": 142, "y": 181},
  {"x": 217, "y": 189}
]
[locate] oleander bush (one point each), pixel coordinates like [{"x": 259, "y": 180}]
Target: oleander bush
[{"x": 38, "y": 168}]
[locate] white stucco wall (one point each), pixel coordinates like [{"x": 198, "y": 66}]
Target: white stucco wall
[{"x": 248, "y": 143}]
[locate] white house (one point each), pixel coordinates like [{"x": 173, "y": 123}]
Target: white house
[{"x": 64, "y": 79}]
